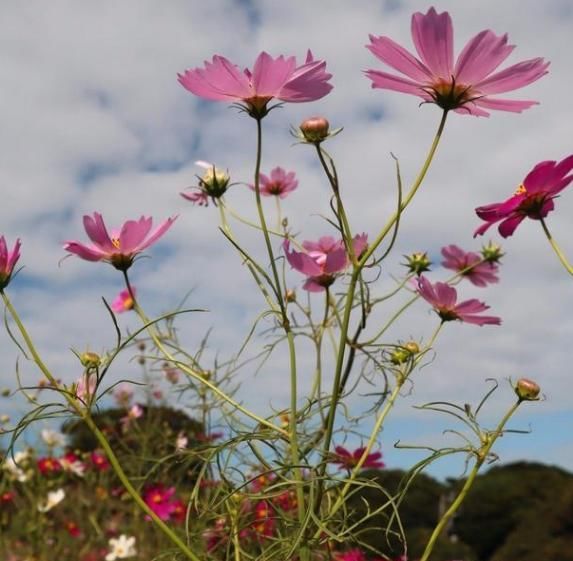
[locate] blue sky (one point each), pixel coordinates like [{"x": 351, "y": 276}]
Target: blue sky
[{"x": 93, "y": 119}]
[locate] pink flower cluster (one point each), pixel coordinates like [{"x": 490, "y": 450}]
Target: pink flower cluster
[
  {"x": 324, "y": 260},
  {"x": 163, "y": 502}
]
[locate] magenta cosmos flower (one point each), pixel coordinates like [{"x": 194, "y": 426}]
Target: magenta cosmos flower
[
  {"x": 346, "y": 459},
  {"x": 279, "y": 184},
  {"x": 443, "y": 298},
  {"x": 121, "y": 248},
  {"x": 532, "y": 199},
  {"x": 8, "y": 260},
  {"x": 470, "y": 84},
  {"x": 471, "y": 265},
  {"x": 322, "y": 260},
  {"x": 161, "y": 501},
  {"x": 280, "y": 78}
]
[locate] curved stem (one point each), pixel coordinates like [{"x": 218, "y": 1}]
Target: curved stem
[
  {"x": 488, "y": 442},
  {"x": 413, "y": 190},
  {"x": 556, "y": 248},
  {"x": 197, "y": 376}
]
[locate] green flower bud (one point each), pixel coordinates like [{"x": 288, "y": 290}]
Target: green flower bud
[{"x": 527, "y": 390}]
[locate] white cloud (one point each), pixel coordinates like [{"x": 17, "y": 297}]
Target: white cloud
[{"x": 93, "y": 119}]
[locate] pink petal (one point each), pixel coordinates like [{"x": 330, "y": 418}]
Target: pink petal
[
  {"x": 308, "y": 83},
  {"x": 87, "y": 253},
  {"x": 97, "y": 232},
  {"x": 301, "y": 262},
  {"x": 514, "y": 77},
  {"x": 385, "y": 81},
  {"x": 157, "y": 234},
  {"x": 269, "y": 75},
  {"x": 508, "y": 226},
  {"x": 133, "y": 233},
  {"x": 481, "y": 320},
  {"x": 509, "y": 105},
  {"x": 13, "y": 258},
  {"x": 481, "y": 56},
  {"x": 311, "y": 285},
  {"x": 397, "y": 57},
  {"x": 336, "y": 261},
  {"x": 447, "y": 295},
  {"x": 433, "y": 38},
  {"x": 472, "y": 306}
]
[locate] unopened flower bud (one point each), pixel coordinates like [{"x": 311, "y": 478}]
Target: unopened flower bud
[
  {"x": 90, "y": 360},
  {"x": 404, "y": 352},
  {"x": 141, "y": 346},
  {"x": 314, "y": 129},
  {"x": 6, "y": 392},
  {"x": 290, "y": 296},
  {"x": 206, "y": 375},
  {"x": 527, "y": 390},
  {"x": 214, "y": 181},
  {"x": 491, "y": 252},
  {"x": 4, "y": 419},
  {"x": 418, "y": 262}
]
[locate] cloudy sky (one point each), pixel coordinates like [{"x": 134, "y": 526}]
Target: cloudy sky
[{"x": 93, "y": 119}]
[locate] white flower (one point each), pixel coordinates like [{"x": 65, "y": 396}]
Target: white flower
[
  {"x": 181, "y": 442},
  {"x": 53, "y": 438},
  {"x": 121, "y": 548},
  {"x": 17, "y": 467},
  {"x": 54, "y": 498},
  {"x": 77, "y": 467}
]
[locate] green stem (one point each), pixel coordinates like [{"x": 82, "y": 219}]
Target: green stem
[
  {"x": 85, "y": 415},
  {"x": 197, "y": 376},
  {"x": 415, "y": 186},
  {"x": 488, "y": 441},
  {"x": 556, "y": 248},
  {"x": 264, "y": 228}
]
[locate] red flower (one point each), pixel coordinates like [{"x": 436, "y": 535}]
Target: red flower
[
  {"x": 346, "y": 459},
  {"x": 48, "y": 466},
  {"x": 73, "y": 529},
  {"x": 99, "y": 461},
  {"x": 161, "y": 501}
]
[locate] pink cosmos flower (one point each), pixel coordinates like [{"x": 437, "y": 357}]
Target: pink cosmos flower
[
  {"x": 346, "y": 459},
  {"x": 121, "y": 248},
  {"x": 85, "y": 387},
  {"x": 123, "y": 301},
  {"x": 279, "y": 184},
  {"x": 471, "y": 265},
  {"x": 532, "y": 199},
  {"x": 8, "y": 260},
  {"x": 123, "y": 393},
  {"x": 160, "y": 500},
  {"x": 322, "y": 260},
  {"x": 280, "y": 78},
  {"x": 469, "y": 84},
  {"x": 443, "y": 299}
]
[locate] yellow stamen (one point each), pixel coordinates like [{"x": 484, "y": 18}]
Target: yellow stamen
[
  {"x": 115, "y": 242},
  {"x": 521, "y": 190}
]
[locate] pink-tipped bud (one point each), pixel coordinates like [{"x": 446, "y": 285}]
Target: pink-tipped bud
[
  {"x": 315, "y": 129},
  {"x": 527, "y": 390},
  {"x": 290, "y": 296}
]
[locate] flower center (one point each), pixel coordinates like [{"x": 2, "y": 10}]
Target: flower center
[
  {"x": 449, "y": 95},
  {"x": 115, "y": 243},
  {"x": 521, "y": 190}
]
